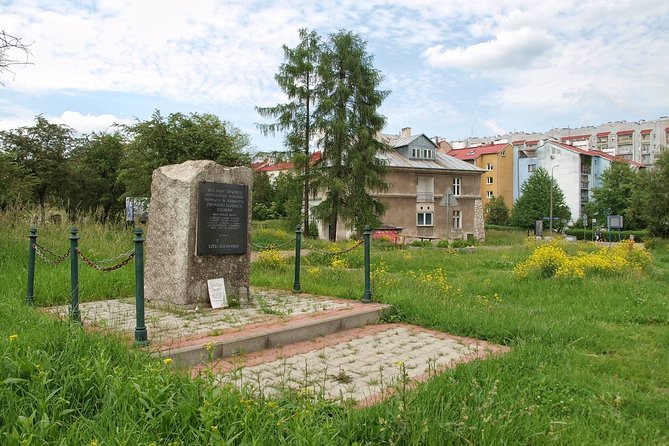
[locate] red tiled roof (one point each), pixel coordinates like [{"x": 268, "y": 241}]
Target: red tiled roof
[
  {"x": 574, "y": 138},
  {"x": 625, "y": 132},
  {"x": 532, "y": 143},
  {"x": 571, "y": 148},
  {"x": 283, "y": 165},
  {"x": 264, "y": 166},
  {"x": 470, "y": 153},
  {"x": 646, "y": 131},
  {"x": 603, "y": 134},
  {"x": 516, "y": 143},
  {"x": 597, "y": 153},
  {"x": 618, "y": 158}
]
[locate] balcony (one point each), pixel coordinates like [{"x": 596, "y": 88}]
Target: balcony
[
  {"x": 624, "y": 150},
  {"x": 425, "y": 197}
]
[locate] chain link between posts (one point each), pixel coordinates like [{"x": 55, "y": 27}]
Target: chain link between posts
[
  {"x": 96, "y": 264},
  {"x": 43, "y": 251},
  {"x": 268, "y": 247},
  {"x": 312, "y": 248}
]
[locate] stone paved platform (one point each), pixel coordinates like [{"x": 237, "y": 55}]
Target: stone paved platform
[
  {"x": 168, "y": 326},
  {"x": 360, "y": 366}
]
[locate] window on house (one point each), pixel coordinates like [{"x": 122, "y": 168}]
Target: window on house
[
  {"x": 424, "y": 219},
  {"x": 457, "y": 220},
  {"x": 488, "y": 180},
  {"x": 489, "y": 166},
  {"x": 503, "y": 153},
  {"x": 424, "y": 189},
  {"x": 489, "y": 194},
  {"x": 531, "y": 167},
  {"x": 457, "y": 186}
]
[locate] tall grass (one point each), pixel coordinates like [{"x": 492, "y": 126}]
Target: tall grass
[{"x": 587, "y": 365}]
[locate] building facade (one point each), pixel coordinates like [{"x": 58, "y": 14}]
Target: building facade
[
  {"x": 497, "y": 161},
  {"x": 641, "y": 142},
  {"x": 430, "y": 195}
]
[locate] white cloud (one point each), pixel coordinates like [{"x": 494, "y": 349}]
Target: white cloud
[
  {"x": 82, "y": 123},
  {"x": 492, "y": 126},
  {"x": 509, "y": 49},
  {"x": 527, "y": 56},
  {"x": 89, "y": 123}
]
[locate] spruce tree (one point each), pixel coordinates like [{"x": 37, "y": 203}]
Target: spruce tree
[{"x": 347, "y": 121}]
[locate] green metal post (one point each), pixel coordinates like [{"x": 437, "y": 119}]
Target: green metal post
[
  {"x": 30, "y": 295},
  {"x": 74, "y": 276},
  {"x": 367, "y": 295},
  {"x": 141, "y": 335},
  {"x": 298, "y": 242}
]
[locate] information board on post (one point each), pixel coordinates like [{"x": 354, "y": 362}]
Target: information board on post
[{"x": 222, "y": 219}]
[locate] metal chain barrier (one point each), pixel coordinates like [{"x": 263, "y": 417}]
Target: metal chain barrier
[
  {"x": 312, "y": 248},
  {"x": 267, "y": 247},
  {"x": 129, "y": 256},
  {"x": 56, "y": 259}
]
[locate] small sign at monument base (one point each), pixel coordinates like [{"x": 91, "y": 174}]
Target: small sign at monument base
[{"x": 217, "y": 295}]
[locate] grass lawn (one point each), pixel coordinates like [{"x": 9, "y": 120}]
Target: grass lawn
[{"x": 588, "y": 359}]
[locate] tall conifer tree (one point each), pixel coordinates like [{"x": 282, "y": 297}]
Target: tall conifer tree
[
  {"x": 347, "y": 119},
  {"x": 298, "y": 79}
]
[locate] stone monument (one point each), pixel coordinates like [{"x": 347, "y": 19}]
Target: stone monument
[{"x": 198, "y": 230}]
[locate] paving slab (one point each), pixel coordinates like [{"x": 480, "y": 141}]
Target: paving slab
[
  {"x": 172, "y": 327},
  {"x": 360, "y": 366}
]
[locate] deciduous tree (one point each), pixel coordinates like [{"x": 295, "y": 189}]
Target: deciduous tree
[
  {"x": 651, "y": 196},
  {"x": 615, "y": 195},
  {"x": 12, "y": 52},
  {"x": 96, "y": 164},
  {"x": 534, "y": 202},
  {"x": 496, "y": 211},
  {"x": 42, "y": 150},
  {"x": 160, "y": 141}
]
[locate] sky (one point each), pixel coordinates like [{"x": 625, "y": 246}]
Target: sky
[{"x": 455, "y": 68}]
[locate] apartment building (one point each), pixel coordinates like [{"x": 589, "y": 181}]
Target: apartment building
[{"x": 641, "y": 142}]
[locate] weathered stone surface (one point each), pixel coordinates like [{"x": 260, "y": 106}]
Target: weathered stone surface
[
  {"x": 175, "y": 275},
  {"x": 479, "y": 221}
]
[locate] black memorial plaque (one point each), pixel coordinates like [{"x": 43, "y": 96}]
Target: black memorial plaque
[{"x": 222, "y": 218}]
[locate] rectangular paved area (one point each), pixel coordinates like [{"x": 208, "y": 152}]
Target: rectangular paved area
[
  {"x": 361, "y": 366},
  {"x": 174, "y": 325}
]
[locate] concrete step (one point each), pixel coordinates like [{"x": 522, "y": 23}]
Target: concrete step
[{"x": 272, "y": 334}]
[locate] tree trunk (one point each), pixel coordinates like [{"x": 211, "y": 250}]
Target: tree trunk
[
  {"x": 333, "y": 227},
  {"x": 305, "y": 226}
]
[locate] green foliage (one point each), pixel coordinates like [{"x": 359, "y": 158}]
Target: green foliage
[
  {"x": 16, "y": 183},
  {"x": 615, "y": 195},
  {"x": 534, "y": 202},
  {"x": 160, "y": 141},
  {"x": 651, "y": 196},
  {"x": 347, "y": 119},
  {"x": 42, "y": 151},
  {"x": 640, "y": 235},
  {"x": 96, "y": 162},
  {"x": 568, "y": 378},
  {"x": 298, "y": 78},
  {"x": 263, "y": 197},
  {"x": 496, "y": 211},
  {"x": 288, "y": 198}
]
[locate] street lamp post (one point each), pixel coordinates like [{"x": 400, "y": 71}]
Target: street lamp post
[{"x": 550, "y": 223}]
